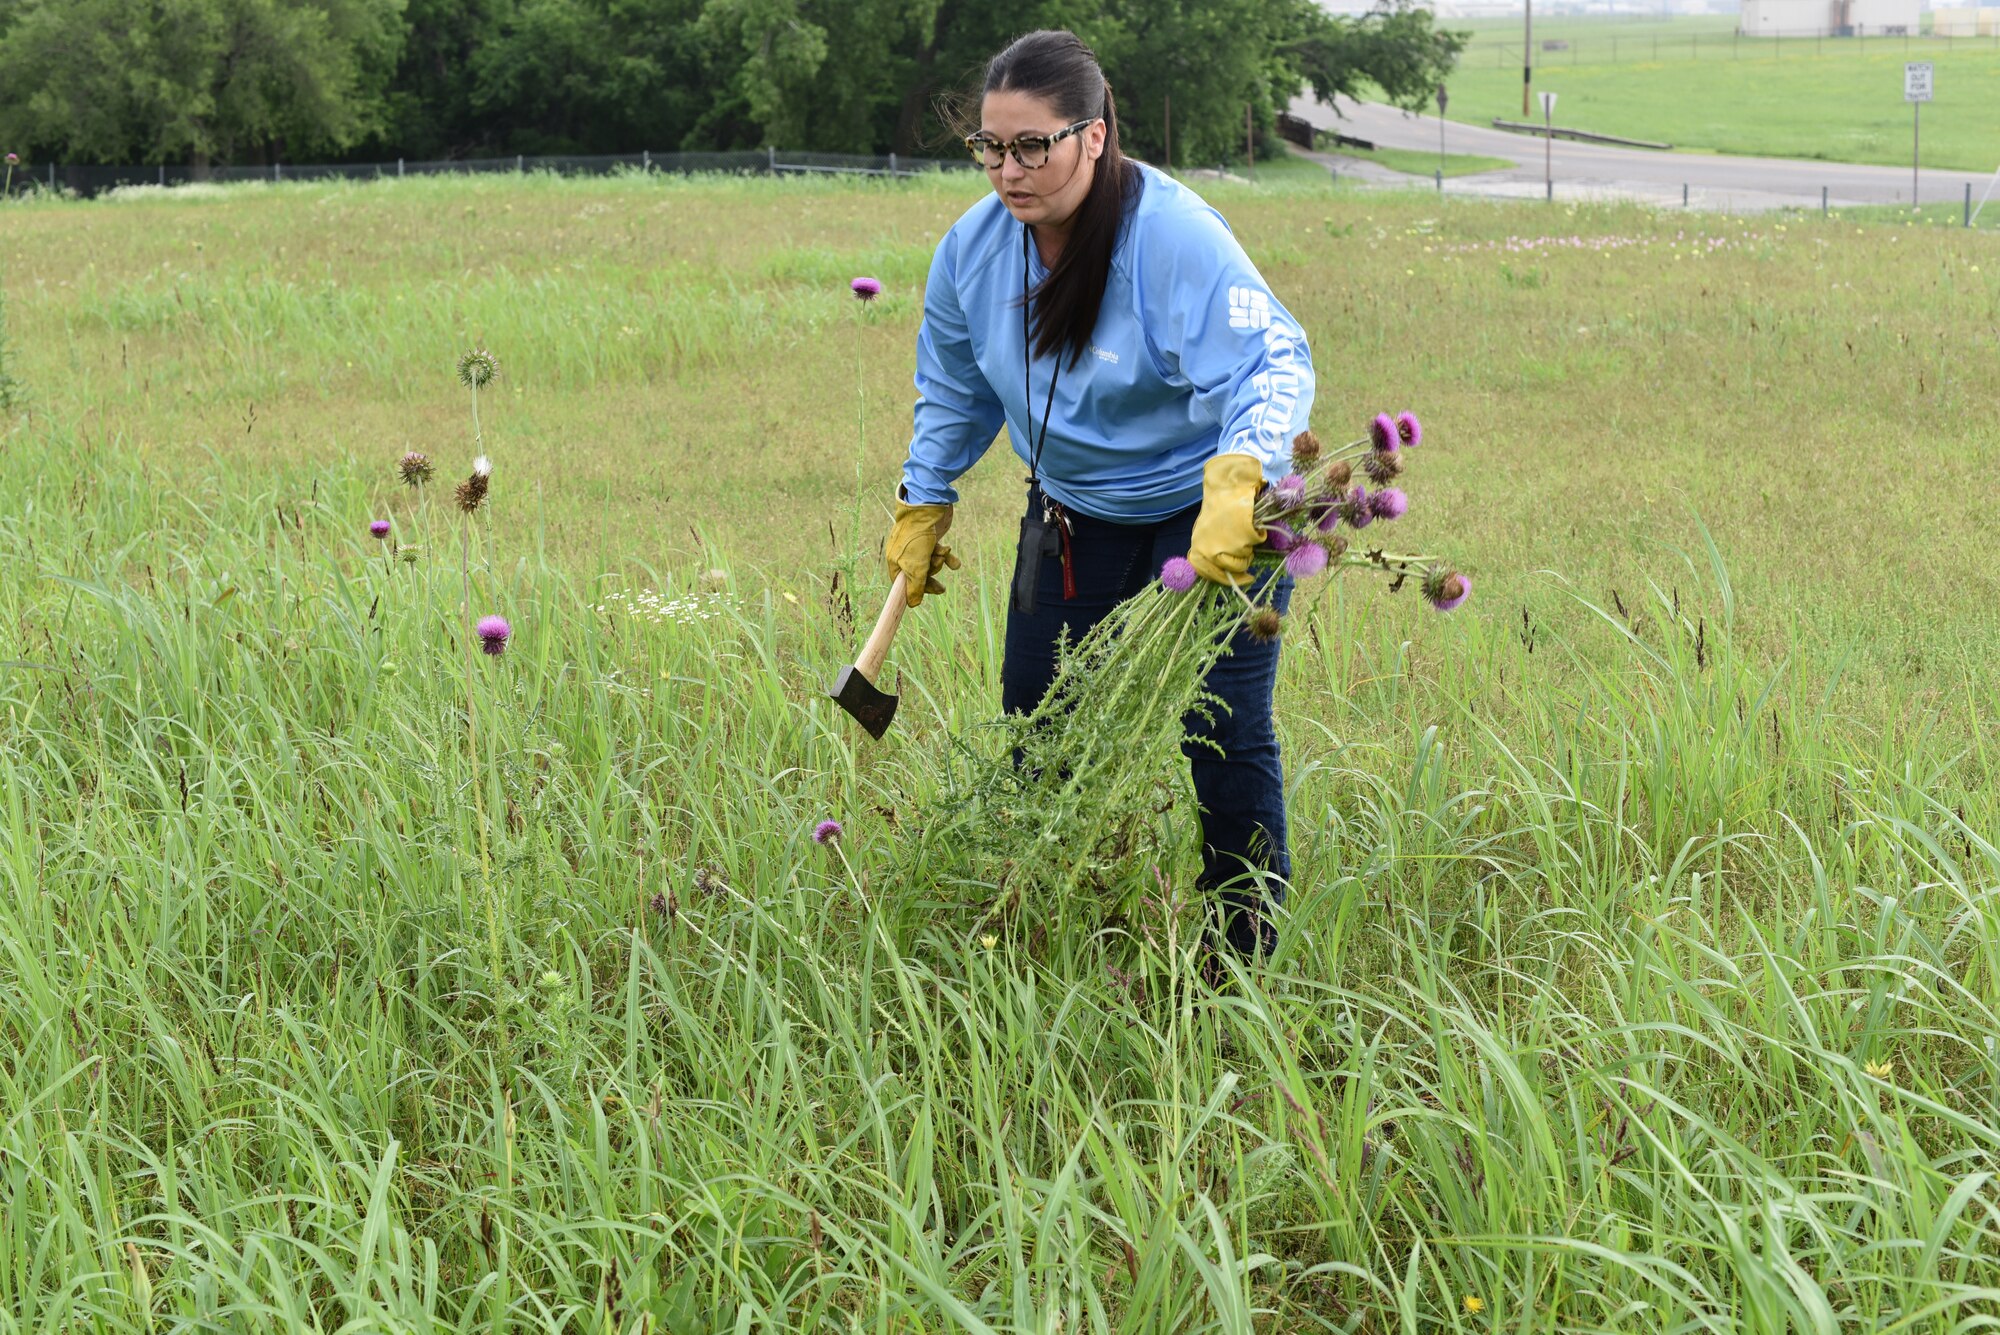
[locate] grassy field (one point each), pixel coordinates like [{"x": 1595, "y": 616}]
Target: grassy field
[
  {"x": 1694, "y": 85},
  {"x": 1645, "y": 943}
]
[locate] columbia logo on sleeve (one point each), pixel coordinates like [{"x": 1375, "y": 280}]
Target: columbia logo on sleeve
[{"x": 1249, "y": 308}]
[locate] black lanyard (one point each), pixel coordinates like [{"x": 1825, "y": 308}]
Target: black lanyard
[
  {"x": 1048, "y": 534},
  {"x": 1028, "y": 378}
]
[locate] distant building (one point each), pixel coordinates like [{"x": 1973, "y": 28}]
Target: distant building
[
  {"x": 1828, "y": 18},
  {"x": 1981, "y": 22}
]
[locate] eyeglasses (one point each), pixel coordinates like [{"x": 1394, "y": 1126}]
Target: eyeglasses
[{"x": 1030, "y": 150}]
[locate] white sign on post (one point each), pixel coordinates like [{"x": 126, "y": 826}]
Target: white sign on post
[
  {"x": 1549, "y": 101},
  {"x": 1917, "y": 81}
]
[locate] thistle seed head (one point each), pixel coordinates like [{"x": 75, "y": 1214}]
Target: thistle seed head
[
  {"x": 1382, "y": 466},
  {"x": 1266, "y": 625},
  {"x": 1305, "y": 452},
  {"x": 415, "y": 468},
  {"x": 471, "y": 493},
  {"x": 478, "y": 369}
]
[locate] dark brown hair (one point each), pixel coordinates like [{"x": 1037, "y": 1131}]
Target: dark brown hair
[{"x": 1057, "y": 66}]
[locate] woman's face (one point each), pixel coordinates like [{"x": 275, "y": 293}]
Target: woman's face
[{"x": 1049, "y": 195}]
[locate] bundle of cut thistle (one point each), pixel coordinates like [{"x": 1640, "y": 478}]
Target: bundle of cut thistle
[{"x": 1077, "y": 796}]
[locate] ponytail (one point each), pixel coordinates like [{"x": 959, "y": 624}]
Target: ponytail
[{"x": 1057, "y": 66}]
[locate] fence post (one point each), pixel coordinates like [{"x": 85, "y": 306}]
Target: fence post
[
  {"x": 163, "y": 180},
  {"x": 892, "y": 164},
  {"x": 1968, "y": 203},
  {"x": 52, "y": 176},
  {"x": 647, "y": 155},
  {"x": 1684, "y": 194},
  {"x": 771, "y": 156},
  {"x": 520, "y": 162},
  {"x": 399, "y": 169},
  {"x": 277, "y": 172},
  {"x": 1822, "y": 201}
]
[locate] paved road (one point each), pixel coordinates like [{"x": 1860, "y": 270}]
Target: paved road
[{"x": 1597, "y": 171}]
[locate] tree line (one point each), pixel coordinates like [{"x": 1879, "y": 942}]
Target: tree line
[{"x": 206, "y": 82}]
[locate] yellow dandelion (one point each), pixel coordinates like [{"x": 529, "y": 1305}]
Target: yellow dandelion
[
  {"x": 1880, "y": 1070},
  {"x": 1474, "y": 1304},
  {"x": 989, "y": 941}
]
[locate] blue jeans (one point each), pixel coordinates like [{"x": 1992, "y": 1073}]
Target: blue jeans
[{"x": 1241, "y": 791}]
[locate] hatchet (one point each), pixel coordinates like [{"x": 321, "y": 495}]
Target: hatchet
[{"x": 854, "y": 689}]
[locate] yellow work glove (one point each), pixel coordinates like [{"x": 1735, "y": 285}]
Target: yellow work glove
[
  {"x": 913, "y": 548},
  {"x": 1225, "y": 532}
]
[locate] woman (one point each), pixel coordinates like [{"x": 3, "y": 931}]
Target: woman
[{"x": 1151, "y": 384}]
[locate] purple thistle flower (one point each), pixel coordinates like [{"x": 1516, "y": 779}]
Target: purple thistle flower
[
  {"x": 1446, "y": 589},
  {"x": 1178, "y": 574},
  {"x": 1409, "y": 429},
  {"x": 1382, "y": 433},
  {"x": 493, "y": 633},
  {"x": 1356, "y": 509},
  {"x": 1329, "y": 515},
  {"x": 1305, "y": 560},
  {"x": 826, "y": 832},
  {"x": 13, "y": 159},
  {"x": 866, "y": 289},
  {"x": 1290, "y": 493},
  {"x": 379, "y": 527},
  {"x": 1280, "y": 538},
  {"x": 1388, "y": 503}
]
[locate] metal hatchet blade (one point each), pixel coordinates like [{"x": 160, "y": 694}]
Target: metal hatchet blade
[{"x": 854, "y": 690}]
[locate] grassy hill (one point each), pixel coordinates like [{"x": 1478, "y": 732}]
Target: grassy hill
[{"x": 1693, "y": 84}]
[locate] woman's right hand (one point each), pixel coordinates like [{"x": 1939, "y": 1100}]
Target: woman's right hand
[
  {"x": 913, "y": 548},
  {"x": 1225, "y": 528}
]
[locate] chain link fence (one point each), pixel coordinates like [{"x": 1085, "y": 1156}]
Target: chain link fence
[{"x": 86, "y": 181}]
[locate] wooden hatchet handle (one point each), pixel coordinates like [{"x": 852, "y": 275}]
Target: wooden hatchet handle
[{"x": 869, "y": 664}]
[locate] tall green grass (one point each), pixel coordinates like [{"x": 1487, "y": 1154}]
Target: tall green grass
[
  {"x": 1623, "y": 987},
  {"x": 1640, "y": 971}
]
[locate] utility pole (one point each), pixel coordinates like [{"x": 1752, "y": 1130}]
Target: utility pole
[{"x": 1527, "y": 56}]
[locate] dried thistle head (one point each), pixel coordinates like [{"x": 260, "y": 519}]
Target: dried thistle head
[
  {"x": 471, "y": 493},
  {"x": 478, "y": 369},
  {"x": 1382, "y": 465},
  {"x": 416, "y": 468},
  {"x": 1305, "y": 452},
  {"x": 1266, "y": 625},
  {"x": 1338, "y": 474}
]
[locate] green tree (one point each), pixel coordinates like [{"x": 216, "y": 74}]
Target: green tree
[
  {"x": 814, "y": 74},
  {"x": 244, "y": 80},
  {"x": 1394, "y": 50},
  {"x": 588, "y": 76},
  {"x": 206, "y": 80}
]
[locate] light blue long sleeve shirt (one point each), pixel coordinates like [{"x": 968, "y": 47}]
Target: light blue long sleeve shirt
[{"x": 1192, "y": 357}]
